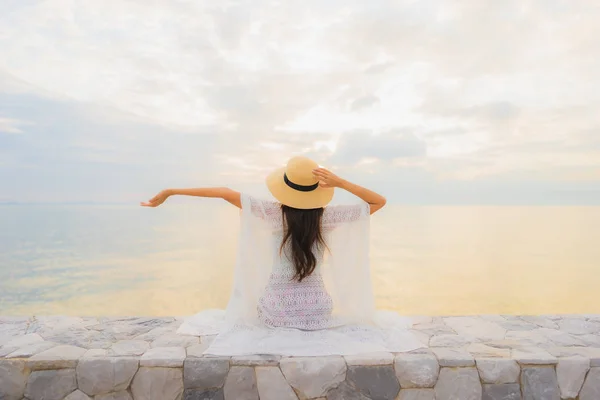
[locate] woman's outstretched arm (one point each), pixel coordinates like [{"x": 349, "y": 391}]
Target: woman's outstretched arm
[
  {"x": 227, "y": 194},
  {"x": 329, "y": 179}
]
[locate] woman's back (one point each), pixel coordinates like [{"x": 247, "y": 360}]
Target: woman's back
[{"x": 287, "y": 301}]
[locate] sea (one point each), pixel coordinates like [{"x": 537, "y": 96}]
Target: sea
[{"x": 177, "y": 259}]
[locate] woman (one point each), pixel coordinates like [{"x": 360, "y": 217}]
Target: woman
[{"x": 302, "y": 281}]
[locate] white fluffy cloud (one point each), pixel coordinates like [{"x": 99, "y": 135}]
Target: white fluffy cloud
[{"x": 467, "y": 90}]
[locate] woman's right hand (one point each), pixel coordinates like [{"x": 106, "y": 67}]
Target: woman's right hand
[
  {"x": 157, "y": 200},
  {"x": 327, "y": 179}
]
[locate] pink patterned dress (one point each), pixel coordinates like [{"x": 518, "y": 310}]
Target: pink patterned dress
[{"x": 286, "y": 302}]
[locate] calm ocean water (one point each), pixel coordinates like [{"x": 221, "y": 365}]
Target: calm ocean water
[{"x": 178, "y": 259}]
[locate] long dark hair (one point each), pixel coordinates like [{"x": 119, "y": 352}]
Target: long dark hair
[{"x": 302, "y": 229}]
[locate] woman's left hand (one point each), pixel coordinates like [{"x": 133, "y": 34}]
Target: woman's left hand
[
  {"x": 327, "y": 179},
  {"x": 156, "y": 200}
]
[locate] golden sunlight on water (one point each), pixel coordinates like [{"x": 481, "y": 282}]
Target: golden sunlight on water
[{"x": 425, "y": 260}]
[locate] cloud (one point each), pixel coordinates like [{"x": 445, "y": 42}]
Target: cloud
[
  {"x": 10, "y": 125},
  {"x": 364, "y": 102},
  {"x": 493, "y": 112},
  {"x": 65, "y": 155},
  {"x": 354, "y": 147},
  {"x": 441, "y": 91}
]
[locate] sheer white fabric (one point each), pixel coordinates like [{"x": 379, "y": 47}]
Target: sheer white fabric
[{"x": 329, "y": 313}]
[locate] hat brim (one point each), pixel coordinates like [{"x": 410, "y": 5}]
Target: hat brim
[{"x": 317, "y": 198}]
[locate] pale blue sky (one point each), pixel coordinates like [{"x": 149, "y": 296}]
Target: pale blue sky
[{"x": 432, "y": 101}]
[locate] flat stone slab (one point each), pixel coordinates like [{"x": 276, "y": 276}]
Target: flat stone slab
[
  {"x": 382, "y": 358},
  {"x": 314, "y": 376},
  {"x": 254, "y": 360},
  {"x": 449, "y": 357},
  {"x": 157, "y": 384},
  {"x": 498, "y": 370},
  {"x": 163, "y": 357},
  {"x": 539, "y": 382},
  {"x": 129, "y": 348},
  {"x": 571, "y": 372},
  {"x": 591, "y": 387},
  {"x": 64, "y": 356},
  {"x": 101, "y": 375},
  {"x": 132, "y": 358},
  {"x": 272, "y": 384},
  {"x": 510, "y": 391},
  {"x": 241, "y": 384},
  {"x": 375, "y": 381},
  {"x": 458, "y": 383},
  {"x": 420, "y": 370},
  {"x": 51, "y": 384}
]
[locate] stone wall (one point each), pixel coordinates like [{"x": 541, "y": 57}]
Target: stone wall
[
  {"x": 469, "y": 358},
  {"x": 166, "y": 374}
]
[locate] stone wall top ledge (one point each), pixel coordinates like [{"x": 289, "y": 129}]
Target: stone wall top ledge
[{"x": 468, "y": 358}]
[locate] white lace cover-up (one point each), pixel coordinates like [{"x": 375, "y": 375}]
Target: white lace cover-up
[
  {"x": 288, "y": 302},
  {"x": 330, "y": 312}
]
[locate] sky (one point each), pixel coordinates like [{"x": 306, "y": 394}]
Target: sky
[{"x": 428, "y": 102}]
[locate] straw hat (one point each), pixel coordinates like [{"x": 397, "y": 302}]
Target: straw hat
[{"x": 295, "y": 185}]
